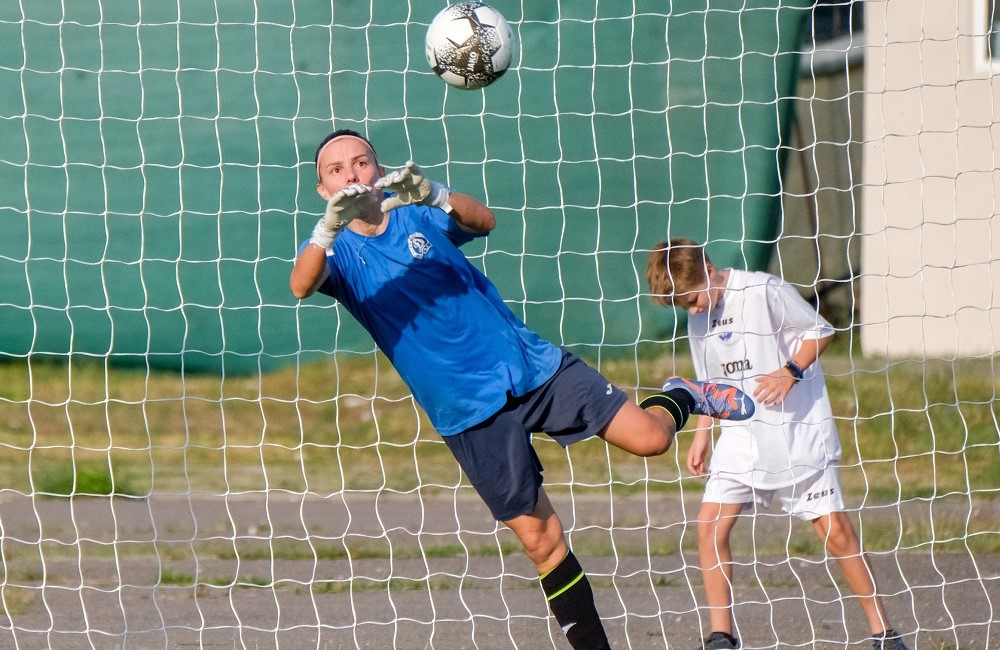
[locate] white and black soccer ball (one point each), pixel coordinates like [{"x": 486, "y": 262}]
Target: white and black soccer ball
[{"x": 469, "y": 45}]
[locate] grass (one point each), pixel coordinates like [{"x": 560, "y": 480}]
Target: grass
[
  {"x": 84, "y": 479},
  {"x": 909, "y": 430}
]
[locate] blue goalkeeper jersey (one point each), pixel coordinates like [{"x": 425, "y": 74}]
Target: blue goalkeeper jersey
[{"x": 438, "y": 319}]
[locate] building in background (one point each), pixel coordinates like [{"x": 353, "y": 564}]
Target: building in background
[{"x": 930, "y": 237}]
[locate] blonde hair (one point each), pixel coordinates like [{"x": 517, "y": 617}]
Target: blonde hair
[{"x": 675, "y": 267}]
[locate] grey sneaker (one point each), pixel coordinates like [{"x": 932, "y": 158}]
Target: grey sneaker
[
  {"x": 721, "y": 641},
  {"x": 717, "y": 400},
  {"x": 888, "y": 640}
]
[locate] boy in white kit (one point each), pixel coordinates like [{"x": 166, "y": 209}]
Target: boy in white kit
[{"x": 754, "y": 331}]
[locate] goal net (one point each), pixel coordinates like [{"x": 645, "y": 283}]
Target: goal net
[{"x": 192, "y": 457}]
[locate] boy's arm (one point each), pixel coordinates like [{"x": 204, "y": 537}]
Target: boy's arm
[
  {"x": 807, "y": 354},
  {"x": 774, "y": 387},
  {"x": 795, "y": 318},
  {"x": 698, "y": 451}
]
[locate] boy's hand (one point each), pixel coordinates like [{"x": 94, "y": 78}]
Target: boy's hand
[
  {"x": 698, "y": 451},
  {"x": 773, "y": 387},
  {"x": 343, "y": 207},
  {"x": 410, "y": 186}
]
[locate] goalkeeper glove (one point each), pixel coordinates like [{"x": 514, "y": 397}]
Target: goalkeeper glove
[
  {"x": 410, "y": 186},
  {"x": 343, "y": 207}
]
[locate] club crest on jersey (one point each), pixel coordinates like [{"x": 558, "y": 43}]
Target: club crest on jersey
[{"x": 419, "y": 245}]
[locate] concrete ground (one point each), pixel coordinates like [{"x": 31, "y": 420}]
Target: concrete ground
[{"x": 273, "y": 570}]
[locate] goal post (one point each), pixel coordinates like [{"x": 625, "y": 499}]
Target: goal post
[{"x": 192, "y": 457}]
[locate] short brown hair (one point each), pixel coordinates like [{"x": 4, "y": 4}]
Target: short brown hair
[{"x": 675, "y": 267}]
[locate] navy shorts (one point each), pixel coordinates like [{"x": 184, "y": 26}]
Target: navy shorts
[{"x": 497, "y": 456}]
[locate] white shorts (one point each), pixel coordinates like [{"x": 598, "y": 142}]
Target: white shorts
[{"x": 813, "y": 497}]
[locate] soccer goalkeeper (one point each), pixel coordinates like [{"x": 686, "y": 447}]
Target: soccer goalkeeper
[{"x": 388, "y": 250}]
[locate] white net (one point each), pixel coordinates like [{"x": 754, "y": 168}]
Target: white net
[{"x": 191, "y": 458}]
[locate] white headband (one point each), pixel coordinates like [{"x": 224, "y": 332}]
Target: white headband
[{"x": 319, "y": 154}]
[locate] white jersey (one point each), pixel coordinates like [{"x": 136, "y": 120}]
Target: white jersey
[{"x": 759, "y": 325}]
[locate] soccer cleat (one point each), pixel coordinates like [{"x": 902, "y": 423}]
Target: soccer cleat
[
  {"x": 720, "y": 641},
  {"x": 717, "y": 400},
  {"x": 888, "y": 640}
]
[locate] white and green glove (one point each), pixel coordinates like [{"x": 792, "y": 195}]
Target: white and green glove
[
  {"x": 410, "y": 186},
  {"x": 343, "y": 207}
]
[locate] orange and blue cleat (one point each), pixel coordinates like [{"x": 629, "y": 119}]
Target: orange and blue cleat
[{"x": 719, "y": 401}]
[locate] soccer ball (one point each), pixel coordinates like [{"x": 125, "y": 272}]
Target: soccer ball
[{"x": 469, "y": 45}]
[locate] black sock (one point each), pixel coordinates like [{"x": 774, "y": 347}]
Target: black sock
[
  {"x": 729, "y": 637},
  {"x": 677, "y": 402},
  {"x": 572, "y": 603}
]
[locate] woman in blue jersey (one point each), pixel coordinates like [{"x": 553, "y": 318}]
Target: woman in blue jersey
[{"x": 388, "y": 250}]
